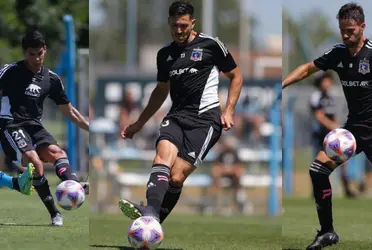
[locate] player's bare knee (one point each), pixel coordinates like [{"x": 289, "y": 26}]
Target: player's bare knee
[
  {"x": 56, "y": 152},
  {"x": 177, "y": 180},
  {"x": 322, "y": 157}
]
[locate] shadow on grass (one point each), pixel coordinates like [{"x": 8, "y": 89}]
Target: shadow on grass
[
  {"x": 129, "y": 248},
  {"x": 23, "y": 225}
]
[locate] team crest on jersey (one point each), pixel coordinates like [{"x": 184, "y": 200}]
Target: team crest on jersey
[
  {"x": 196, "y": 54},
  {"x": 364, "y": 67}
]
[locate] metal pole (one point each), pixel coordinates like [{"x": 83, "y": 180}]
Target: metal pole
[
  {"x": 71, "y": 88},
  {"x": 244, "y": 38},
  {"x": 131, "y": 40},
  {"x": 209, "y": 10}
]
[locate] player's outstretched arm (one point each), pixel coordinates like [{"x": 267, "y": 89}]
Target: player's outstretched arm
[
  {"x": 74, "y": 115},
  {"x": 236, "y": 82},
  {"x": 157, "y": 98},
  {"x": 300, "y": 73}
]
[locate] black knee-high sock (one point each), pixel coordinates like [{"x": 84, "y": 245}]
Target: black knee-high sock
[
  {"x": 157, "y": 186},
  {"x": 42, "y": 187},
  {"x": 169, "y": 202},
  {"x": 64, "y": 170},
  {"x": 319, "y": 173}
]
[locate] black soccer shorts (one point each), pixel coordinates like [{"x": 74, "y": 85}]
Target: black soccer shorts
[
  {"x": 12, "y": 152},
  {"x": 26, "y": 137},
  {"x": 193, "y": 138},
  {"x": 363, "y": 137}
]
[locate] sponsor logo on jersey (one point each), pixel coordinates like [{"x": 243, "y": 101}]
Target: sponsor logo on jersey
[
  {"x": 364, "y": 67},
  {"x": 196, "y": 54},
  {"x": 33, "y": 90},
  {"x": 355, "y": 83},
  {"x": 182, "y": 71}
]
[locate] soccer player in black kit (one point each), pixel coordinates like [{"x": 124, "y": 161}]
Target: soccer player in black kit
[
  {"x": 189, "y": 69},
  {"x": 351, "y": 61},
  {"x": 24, "y": 86},
  {"x": 323, "y": 106}
]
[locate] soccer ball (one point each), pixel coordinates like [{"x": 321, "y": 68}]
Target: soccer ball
[
  {"x": 339, "y": 145},
  {"x": 70, "y": 195},
  {"x": 145, "y": 233}
]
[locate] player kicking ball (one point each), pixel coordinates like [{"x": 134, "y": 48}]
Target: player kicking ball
[
  {"x": 21, "y": 183},
  {"x": 352, "y": 62},
  {"x": 24, "y": 86},
  {"x": 189, "y": 69}
]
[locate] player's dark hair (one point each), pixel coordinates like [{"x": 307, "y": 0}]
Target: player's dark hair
[
  {"x": 351, "y": 11},
  {"x": 181, "y": 8},
  {"x": 32, "y": 39},
  {"x": 318, "y": 80}
]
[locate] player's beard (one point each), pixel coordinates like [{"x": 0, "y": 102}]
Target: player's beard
[
  {"x": 354, "y": 44},
  {"x": 185, "y": 41}
]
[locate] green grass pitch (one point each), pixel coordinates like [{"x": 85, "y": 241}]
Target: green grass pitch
[
  {"x": 352, "y": 222},
  {"x": 24, "y": 223},
  {"x": 192, "y": 232}
]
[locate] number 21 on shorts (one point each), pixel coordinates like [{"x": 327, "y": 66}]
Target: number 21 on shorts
[{"x": 19, "y": 138}]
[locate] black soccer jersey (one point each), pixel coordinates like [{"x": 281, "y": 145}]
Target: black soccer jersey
[
  {"x": 325, "y": 102},
  {"x": 192, "y": 72},
  {"x": 356, "y": 78},
  {"x": 25, "y": 91}
]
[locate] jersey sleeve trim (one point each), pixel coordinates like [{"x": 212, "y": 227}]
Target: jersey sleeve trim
[
  {"x": 6, "y": 68},
  {"x": 58, "y": 78},
  {"x": 220, "y": 44}
]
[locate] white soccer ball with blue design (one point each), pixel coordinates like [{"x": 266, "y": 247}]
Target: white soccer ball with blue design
[
  {"x": 340, "y": 145},
  {"x": 70, "y": 195},
  {"x": 145, "y": 233}
]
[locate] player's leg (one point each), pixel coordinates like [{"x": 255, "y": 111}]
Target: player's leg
[
  {"x": 196, "y": 144},
  {"x": 320, "y": 170},
  {"x": 19, "y": 138},
  {"x": 54, "y": 154},
  {"x": 49, "y": 151},
  {"x": 239, "y": 194},
  {"x": 345, "y": 182},
  {"x": 157, "y": 185},
  {"x": 22, "y": 183},
  {"x": 41, "y": 185},
  {"x": 179, "y": 172},
  {"x": 167, "y": 147},
  {"x": 216, "y": 174},
  {"x": 6, "y": 181}
]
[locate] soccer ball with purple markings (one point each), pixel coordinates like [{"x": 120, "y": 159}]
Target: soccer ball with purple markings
[
  {"x": 145, "y": 233},
  {"x": 339, "y": 145},
  {"x": 70, "y": 195}
]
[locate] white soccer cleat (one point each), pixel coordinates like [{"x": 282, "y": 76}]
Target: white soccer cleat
[{"x": 57, "y": 220}]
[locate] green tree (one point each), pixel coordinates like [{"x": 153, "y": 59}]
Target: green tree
[
  {"x": 304, "y": 37},
  {"x": 18, "y": 16}
]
